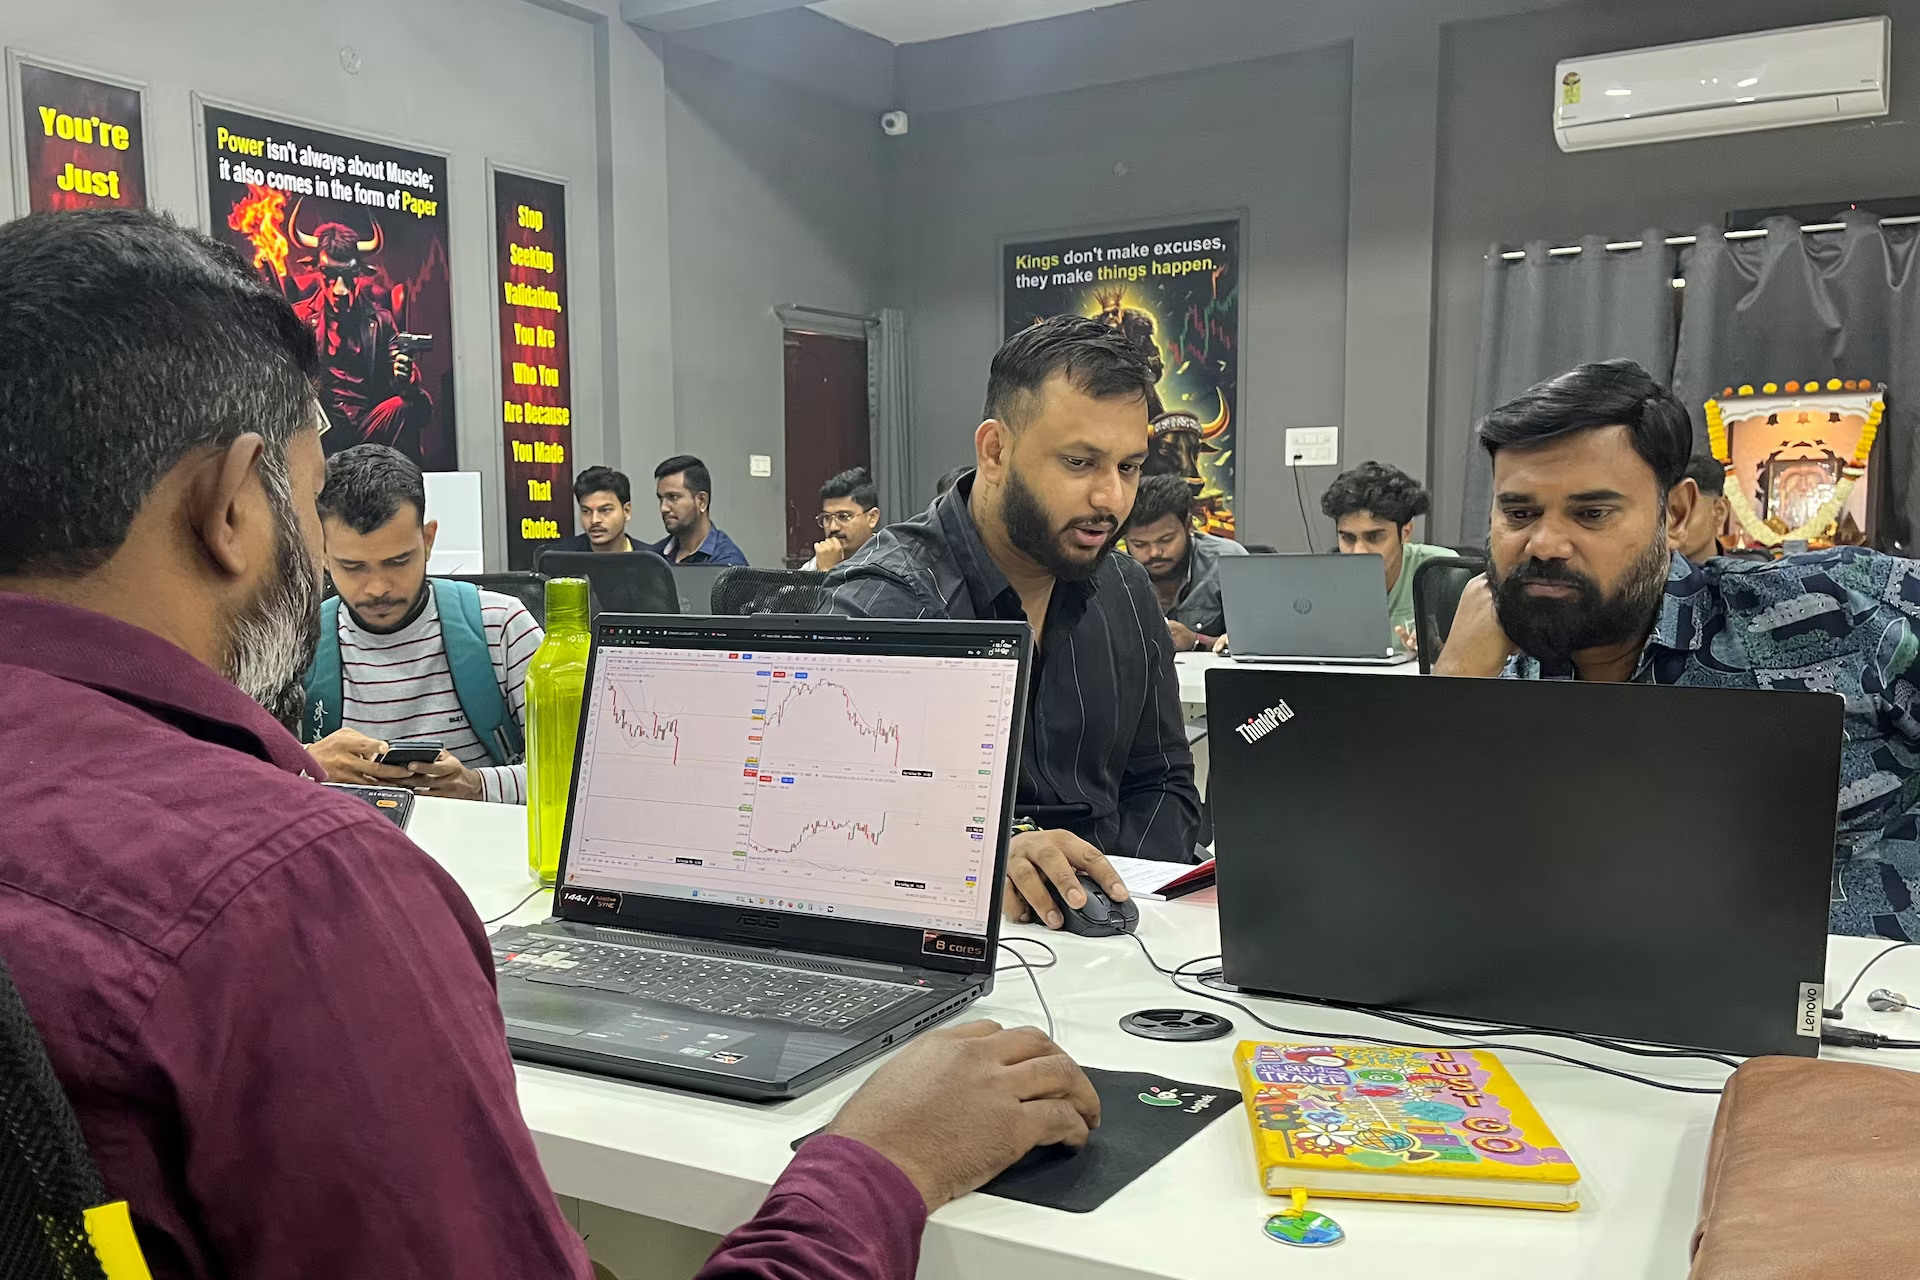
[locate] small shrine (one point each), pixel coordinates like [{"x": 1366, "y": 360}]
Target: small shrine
[{"x": 1799, "y": 462}]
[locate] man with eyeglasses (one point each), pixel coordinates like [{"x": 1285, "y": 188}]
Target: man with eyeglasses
[{"x": 849, "y": 515}]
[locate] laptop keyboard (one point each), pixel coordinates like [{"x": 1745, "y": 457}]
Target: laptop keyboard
[{"x": 728, "y": 988}]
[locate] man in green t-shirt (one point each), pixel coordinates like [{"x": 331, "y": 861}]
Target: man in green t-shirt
[{"x": 1372, "y": 508}]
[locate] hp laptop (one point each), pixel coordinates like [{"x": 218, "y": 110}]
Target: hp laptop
[
  {"x": 783, "y": 849},
  {"x": 1308, "y": 609},
  {"x": 1581, "y": 857},
  {"x": 695, "y": 582}
]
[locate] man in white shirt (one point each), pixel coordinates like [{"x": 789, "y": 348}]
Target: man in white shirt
[{"x": 404, "y": 657}]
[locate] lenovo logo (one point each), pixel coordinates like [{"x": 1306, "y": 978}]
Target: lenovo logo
[{"x": 1265, "y": 723}]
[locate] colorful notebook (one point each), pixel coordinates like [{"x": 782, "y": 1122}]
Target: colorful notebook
[{"x": 1375, "y": 1122}]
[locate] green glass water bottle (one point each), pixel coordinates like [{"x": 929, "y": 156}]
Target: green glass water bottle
[{"x": 556, "y": 681}]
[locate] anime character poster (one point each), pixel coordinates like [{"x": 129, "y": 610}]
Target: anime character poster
[
  {"x": 530, "y": 245},
  {"x": 1175, "y": 292},
  {"x": 354, "y": 233},
  {"x": 83, "y": 140}
]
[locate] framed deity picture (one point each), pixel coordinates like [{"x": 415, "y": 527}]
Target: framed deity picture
[{"x": 1798, "y": 487}]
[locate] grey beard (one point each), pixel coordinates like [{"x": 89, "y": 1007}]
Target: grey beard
[{"x": 271, "y": 642}]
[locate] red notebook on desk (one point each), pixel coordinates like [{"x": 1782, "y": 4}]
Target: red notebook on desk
[{"x": 1163, "y": 881}]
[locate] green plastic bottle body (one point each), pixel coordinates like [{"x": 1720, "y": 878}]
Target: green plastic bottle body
[{"x": 556, "y": 683}]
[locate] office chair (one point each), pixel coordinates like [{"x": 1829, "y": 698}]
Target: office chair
[
  {"x": 739, "y": 592},
  {"x": 1437, "y": 585},
  {"x": 53, "y": 1223},
  {"x": 1260, "y": 549},
  {"x": 637, "y": 582},
  {"x": 530, "y": 589}
]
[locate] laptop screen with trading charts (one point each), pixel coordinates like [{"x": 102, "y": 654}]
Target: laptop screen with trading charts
[{"x": 862, "y": 779}]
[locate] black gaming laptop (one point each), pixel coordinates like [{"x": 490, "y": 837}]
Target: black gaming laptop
[
  {"x": 783, "y": 849},
  {"x": 1641, "y": 863}
]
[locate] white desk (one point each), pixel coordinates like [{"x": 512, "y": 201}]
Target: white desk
[
  {"x": 1193, "y": 668},
  {"x": 707, "y": 1163}
]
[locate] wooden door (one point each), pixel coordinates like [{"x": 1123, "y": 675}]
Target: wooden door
[{"x": 827, "y": 427}]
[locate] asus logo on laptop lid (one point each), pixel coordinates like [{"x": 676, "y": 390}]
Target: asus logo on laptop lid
[{"x": 1265, "y": 723}]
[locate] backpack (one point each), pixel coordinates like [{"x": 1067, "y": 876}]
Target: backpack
[{"x": 468, "y": 656}]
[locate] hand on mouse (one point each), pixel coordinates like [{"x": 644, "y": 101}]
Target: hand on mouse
[
  {"x": 958, "y": 1106},
  {"x": 1037, "y": 857}
]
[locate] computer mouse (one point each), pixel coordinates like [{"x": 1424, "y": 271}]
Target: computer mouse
[{"x": 1102, "y": 917}]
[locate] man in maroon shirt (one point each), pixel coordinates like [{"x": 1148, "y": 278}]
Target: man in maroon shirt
[{"x": 274, "y": 1015}]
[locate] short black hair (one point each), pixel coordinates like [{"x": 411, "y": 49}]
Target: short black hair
[
  {"x": 602, "y": 480},
  {"x": 1708, "y": 473},
  {"x": 699, "y": 479},
  {"x": 368, "y": 484},
  {"x": 1610, "y": 393},
  {"x": 856, "y": 485},
  {"x": 1095, "y": 358},
  {"x": 128, "y": 342},
  {"x": 1385, "y": 492},
  {"x": 950, "y": 478},
  {"x": 1160, "y": 497}
]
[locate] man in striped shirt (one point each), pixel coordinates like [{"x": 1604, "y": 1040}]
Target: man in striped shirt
[{"x": 412, "y": 658}]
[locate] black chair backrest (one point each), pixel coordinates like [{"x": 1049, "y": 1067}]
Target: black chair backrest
[
  {"x": 530, "y": 589},
  {"x": 47, "y": 1178},
  {"x": 1260, "y": 549},
  {"x": 1437, "y": 585},
  {"x": 740, "y": 591},
  {"x": 637, "y": 582}
]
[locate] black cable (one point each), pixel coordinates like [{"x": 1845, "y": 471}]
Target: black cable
[
  {"x": 516, "y": 906},
  {"x": 1033, "y": 972},
  {"x": 1298, "y": 492},
  {"x": 1327, "y": 1038},
  {"x": 1839, "y": 1009}
]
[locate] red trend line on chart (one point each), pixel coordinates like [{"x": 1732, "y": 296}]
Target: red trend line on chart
[
  {"x": 855, "y": 829},
  {"x": 643, "y": 726},
  {"x": 879, "y": 731}
]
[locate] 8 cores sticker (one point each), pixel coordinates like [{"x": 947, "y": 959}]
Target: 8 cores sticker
[{"x": 962, "y": 946}]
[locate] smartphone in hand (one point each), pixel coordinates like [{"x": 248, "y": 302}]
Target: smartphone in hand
[{"x": 419, "y": 751}]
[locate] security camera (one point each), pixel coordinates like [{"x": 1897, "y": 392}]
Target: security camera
[{"x": 894, "y": 124}]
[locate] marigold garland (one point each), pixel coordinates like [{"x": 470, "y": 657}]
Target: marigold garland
[{"x": 1829, "y": 511}]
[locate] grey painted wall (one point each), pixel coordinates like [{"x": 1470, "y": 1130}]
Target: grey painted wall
[
  {"x": 431, "y": 75},
  {"x": 1502, "y": 179},
  {"x": 776, "y": 196},
  {"x": 1269, "y": 137}
]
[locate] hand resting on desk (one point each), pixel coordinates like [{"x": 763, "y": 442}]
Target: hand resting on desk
[{"x": 959, "y": 1106}]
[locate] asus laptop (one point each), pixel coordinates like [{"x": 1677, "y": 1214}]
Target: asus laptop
[
  {"x": 1595, "y": 858},
  {"x": 1306, "y": 609},
  {"x": 783, "y": 849}
]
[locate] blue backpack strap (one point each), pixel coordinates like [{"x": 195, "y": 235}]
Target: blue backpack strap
[
  {"x": 474, "y": 681},
  {"x": 324, "y": 696}
]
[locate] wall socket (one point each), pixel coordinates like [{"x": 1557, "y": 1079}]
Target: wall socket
[
  {"x": 759, "y": 465},
  {"x": 1313, "y": 446}
]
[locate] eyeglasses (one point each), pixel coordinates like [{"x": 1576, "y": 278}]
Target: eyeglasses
[{"x": 833, "y": 519}]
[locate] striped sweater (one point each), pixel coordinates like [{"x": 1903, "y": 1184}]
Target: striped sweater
[{"x": 400, "y": 686}]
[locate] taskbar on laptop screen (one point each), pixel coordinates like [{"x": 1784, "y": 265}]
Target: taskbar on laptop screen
[{"x": 846, "y": 776}]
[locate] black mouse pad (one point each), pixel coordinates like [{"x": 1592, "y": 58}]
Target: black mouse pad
[{"x": 1143, "y": 1119}]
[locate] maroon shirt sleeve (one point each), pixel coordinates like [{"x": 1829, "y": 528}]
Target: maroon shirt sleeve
[
  {"x": 343, "y": 1083},
  {"x": 842, "y": 1211}
]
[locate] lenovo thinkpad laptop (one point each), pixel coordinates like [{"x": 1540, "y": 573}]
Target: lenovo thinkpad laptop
[
  {"x": 1308, "y": 609},
  {"x": 783, "y": 849},
  {"x": 1581, "y": 857}
]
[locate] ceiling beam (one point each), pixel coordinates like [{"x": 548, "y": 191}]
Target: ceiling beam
[{"x": 685, "y": 15}]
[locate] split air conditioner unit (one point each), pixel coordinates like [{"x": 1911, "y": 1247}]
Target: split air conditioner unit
[{"x": 1767, "y": 80}]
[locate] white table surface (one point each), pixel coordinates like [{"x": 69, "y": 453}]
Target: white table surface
[
  {"x": 1193, "y": 668},
  {"x": 707, "y": 1163}
]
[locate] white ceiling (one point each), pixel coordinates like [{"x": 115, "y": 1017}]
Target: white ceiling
[{"x": 911, "y": 21}]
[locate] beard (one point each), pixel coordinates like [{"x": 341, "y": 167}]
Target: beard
[
  {"x": 271, "y": 641},
  {"x": 1554, "y": 629},
  {"x": 1171, "y": 570},
  {"x": 1031, "y": 530}
]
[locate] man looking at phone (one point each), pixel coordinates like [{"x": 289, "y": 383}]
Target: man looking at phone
[{"x": 406, "y": 658}]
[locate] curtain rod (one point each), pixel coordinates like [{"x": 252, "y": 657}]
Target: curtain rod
[
  {"x": 1566, "y": 251},
  {"x": 779, "y": 307}
]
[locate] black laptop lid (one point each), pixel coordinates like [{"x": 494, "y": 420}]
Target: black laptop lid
[
  {"x": 835, "y": 786},
  {"x": 1645, "y": 863}
]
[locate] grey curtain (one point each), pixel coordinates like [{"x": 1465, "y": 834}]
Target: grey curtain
[
  {"x": 1543, "y": 315},
  {"x": 1792, "y": 305},
  {"x": 890, "y": 407}
]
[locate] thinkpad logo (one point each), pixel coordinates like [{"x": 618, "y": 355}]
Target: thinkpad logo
[{"x": 1265, "y": 723}]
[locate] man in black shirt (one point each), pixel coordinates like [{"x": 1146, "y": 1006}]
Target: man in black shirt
[
  {"x": 606, "y": 504},
  {"x": 1029, "y": 534}
]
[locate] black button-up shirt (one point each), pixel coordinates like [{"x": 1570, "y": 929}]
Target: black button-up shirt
[{"x": 1105, "y": 753}]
